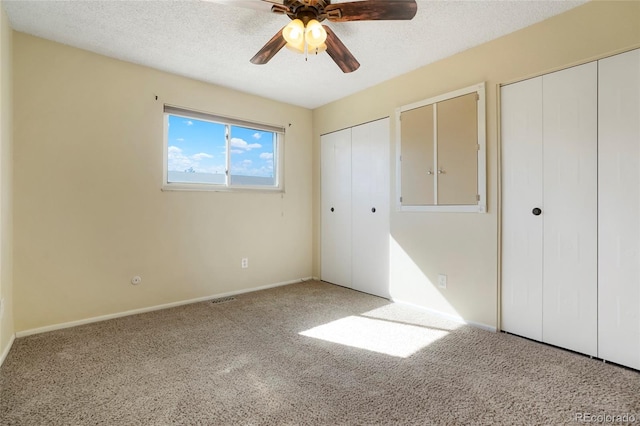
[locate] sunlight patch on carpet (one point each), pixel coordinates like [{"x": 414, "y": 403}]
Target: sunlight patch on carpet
[{"x": 390, "y": 338}]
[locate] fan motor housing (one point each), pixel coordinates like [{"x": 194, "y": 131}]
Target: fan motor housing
[{"x": 305, "y": 10}]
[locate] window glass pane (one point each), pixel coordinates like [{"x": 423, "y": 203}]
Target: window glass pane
[
  {"x": 196, "y": 151},
  {"x": 252, "y": 157}
]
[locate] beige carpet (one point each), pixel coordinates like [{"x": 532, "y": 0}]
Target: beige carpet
[{"x": 246, "y": 362}]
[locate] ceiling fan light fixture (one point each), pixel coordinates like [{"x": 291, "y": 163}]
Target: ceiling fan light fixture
[
  {"x": 319, "y": 49},
  {"x": 315, "y": 34},
  {"x": 297, "y": 48},
  {"x": 304, "y": 34},
  {"x": 293, "y": 33}
]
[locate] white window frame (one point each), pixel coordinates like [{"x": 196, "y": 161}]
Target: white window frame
[
  {"x": 481, "y": 206},
  {"x": 278, "y": 152}
]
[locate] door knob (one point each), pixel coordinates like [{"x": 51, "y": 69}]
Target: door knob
[
  {"x": 373, "y": 210},
  {"x": 332, "y": 209},
  {"x": 536, "y": 212}
]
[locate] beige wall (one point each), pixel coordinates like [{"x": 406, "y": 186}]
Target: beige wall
[
  {"x": 89, "y": 212},
  {"x": 463, "y": 245},
  {"x": 6, "y": 190}
]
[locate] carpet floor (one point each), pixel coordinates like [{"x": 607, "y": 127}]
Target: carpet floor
[{"x": 303, "y": 354}]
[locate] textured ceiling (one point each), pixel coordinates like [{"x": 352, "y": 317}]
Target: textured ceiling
[{"x": 213, "y": 42}]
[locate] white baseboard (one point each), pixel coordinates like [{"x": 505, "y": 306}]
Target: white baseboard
[
  {"x": 4, "y": 354},
  {"x": 444, "y": 315},
  {"x": 69, "y": 324}
]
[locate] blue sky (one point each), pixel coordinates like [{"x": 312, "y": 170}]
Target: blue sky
[{"x": 200, "y": 146}]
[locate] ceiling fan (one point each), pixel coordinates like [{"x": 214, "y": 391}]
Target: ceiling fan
[{"x": 305, "y": 34}]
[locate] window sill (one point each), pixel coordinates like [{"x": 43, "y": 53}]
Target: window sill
[
  {"x": 211, "y": 188},
  {"x": 471, "y": 208}
]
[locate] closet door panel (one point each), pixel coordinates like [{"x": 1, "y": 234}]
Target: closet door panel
[
  {"x": 336, "y": 207},
  {"x": 570, "y": 259},
  {"x": 521, "y": 105},
  {"x": 457, "y": 124},
  {"x": 370, "y": 207},
  {"x": 619, "y": 209},
  {"x": 418, "y": 170}
]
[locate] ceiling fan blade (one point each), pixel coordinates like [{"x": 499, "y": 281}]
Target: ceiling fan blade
[
  {"x": 372, "y": 10},
  {"x": 339, "y": 52},
  {"x": 269, "y": 50}
]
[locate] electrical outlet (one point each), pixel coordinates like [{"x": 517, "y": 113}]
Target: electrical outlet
[
  {"x": 442, "y": 281},
  {"x": 245, "y": 263}
]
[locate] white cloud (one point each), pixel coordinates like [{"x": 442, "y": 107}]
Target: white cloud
[
  {"x": 257, "y": 135},
  {"x": 266, "y": 155},
  {"x": 180, "y": 140},
  {"x": 237, "y": 151},
  {"x": 189, "y": 123},
  {"x": 247, "y": 163},
  {"x": 179, "y": 162},
  {"x": 201, "y": 156},
  {"x": 242, "y": 144}
]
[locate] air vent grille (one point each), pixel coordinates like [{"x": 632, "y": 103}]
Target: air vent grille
[{"x": 223, "y": 300}]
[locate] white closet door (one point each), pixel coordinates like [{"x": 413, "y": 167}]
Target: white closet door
[
  {"x": 619, "y": 209},
  {"x": 336, "y": 207},
  {"x": 521, "y": 131},
  {"x": 570, "y": 115},
  {"x": 370, "y": 202}
]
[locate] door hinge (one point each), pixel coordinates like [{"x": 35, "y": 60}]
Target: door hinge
[
  {"x": 400, "y": 199},
  {"x": 401, "y": 158},
  {"x": 477, "y": 96},
  {"x": 478, "y": 147},
  {"x": 477, "y": 197}
]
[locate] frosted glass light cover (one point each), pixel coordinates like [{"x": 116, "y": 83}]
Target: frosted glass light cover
[
  {"x": 315, "y": 34},
  {"x": 298, "y": 47},
  {"x": 293, "y": 33},
  {"x": 319, "y": 49}
]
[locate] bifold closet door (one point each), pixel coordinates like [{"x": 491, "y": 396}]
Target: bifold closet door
[
  {"x": 619, "y": 209},
  {"x": 336, "y": 207},
  {"x": 370, "y": 207},
  {"x": 570, "y": 170},
  {"x": 521, "y": 122},
  {"x": 549, "y": 208}
]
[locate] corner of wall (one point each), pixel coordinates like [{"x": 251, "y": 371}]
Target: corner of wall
[{"x": 7, "y": 329}]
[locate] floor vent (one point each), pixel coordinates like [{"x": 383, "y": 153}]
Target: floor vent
[{"x": 223, "y": 300}]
